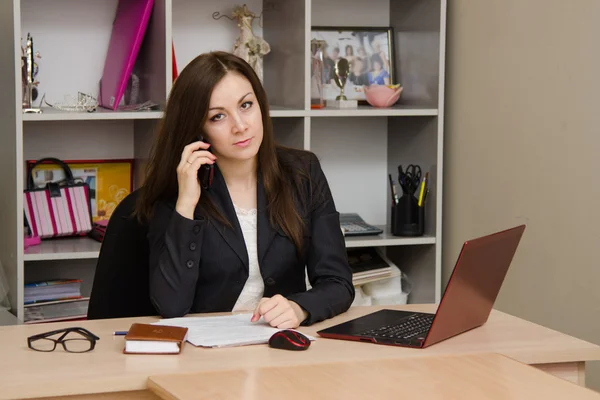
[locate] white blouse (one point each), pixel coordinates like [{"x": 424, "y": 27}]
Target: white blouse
[{"x": 254, "y": 288}]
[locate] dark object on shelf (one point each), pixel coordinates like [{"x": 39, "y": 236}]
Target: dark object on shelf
[
  {"x": 365, "y": 259},
  {"x": 353, "y": 225},
  {"x": 408, "y": 219}
]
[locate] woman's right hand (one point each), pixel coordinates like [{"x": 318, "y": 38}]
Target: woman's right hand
[{"x": 193, "y": 156}]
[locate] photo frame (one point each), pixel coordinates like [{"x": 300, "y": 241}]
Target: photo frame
[
  {"x": 370, "y": 52},
  {"x": 110, "y": 181}
]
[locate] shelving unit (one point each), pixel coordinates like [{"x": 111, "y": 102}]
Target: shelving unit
[{"x": 357, "y": 147}]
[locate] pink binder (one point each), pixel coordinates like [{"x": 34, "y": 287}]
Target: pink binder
[{"x": 129, "y": 27}]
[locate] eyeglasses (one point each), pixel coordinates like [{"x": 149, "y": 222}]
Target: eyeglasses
[{"x": 73, "y": 340}]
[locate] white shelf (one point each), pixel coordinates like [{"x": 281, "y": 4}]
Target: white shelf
[
  {"x": 63, "y": 249},
  {"x": 277, "y": 111},
  {"x": 85, "y": 248},
  {"x": 51, "y": 114},
  {"x": 387, "y": 239},
  {"x": 368, "y": 111}
]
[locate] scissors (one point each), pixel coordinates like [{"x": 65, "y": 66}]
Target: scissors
[{"x": 410, "y": 178}]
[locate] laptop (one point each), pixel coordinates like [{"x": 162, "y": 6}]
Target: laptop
[{"x": 466, "y": 304}]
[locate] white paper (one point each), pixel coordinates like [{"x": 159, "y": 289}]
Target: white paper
[{"x": 224, "y": 331}]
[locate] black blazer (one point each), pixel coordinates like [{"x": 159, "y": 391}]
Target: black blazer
[{"x": 201, "y": 265}]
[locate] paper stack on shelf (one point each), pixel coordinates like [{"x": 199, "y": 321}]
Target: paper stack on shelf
[{"x": 52, "y": 311}]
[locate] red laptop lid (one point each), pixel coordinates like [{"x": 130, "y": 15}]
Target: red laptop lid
[{"x": 474, "y": 284}]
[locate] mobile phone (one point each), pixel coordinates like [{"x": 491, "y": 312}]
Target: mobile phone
[{"x": 206, "y": 172}]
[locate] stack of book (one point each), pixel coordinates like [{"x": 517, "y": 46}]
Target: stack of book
[
  {"x": 54, "y": 300},
  {"x": 368, "y": 265}
]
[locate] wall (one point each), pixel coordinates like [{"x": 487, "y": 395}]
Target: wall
[{"x": 521, "y": 145}]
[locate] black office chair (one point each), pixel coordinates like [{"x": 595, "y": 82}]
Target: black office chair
[{"x": 120, "y": 287}]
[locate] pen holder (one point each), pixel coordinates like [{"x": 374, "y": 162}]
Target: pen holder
[{"x": 408, "y": 219}]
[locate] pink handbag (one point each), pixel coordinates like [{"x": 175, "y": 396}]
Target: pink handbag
[{"x": 58, "y": 209}]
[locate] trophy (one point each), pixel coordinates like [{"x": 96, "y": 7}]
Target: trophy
[
  {"x": 340, "y": 76},
  {"x": 28, "y": 72}
]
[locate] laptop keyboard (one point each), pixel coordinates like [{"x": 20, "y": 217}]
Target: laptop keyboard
[{"x": 413, "y": 326}]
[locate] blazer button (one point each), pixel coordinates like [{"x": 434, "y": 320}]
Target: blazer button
[
  {"x": 189, "y": 263},
  {"x": 193, "y": 246},
  {"x": 196, "y": 229},
  {"x": 270, "y": 281}
]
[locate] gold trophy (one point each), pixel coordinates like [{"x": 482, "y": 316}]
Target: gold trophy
[{"x": 340, "y": 77}]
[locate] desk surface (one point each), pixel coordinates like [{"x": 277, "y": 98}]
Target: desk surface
[
  {"x": 26, "y": 373},
  {"x": 466, "y": 377}
]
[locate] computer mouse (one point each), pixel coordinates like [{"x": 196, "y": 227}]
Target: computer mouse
[{"x": 288, "y": 339}]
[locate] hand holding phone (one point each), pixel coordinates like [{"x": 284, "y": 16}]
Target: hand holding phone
[{"x": 194, "y": 174}]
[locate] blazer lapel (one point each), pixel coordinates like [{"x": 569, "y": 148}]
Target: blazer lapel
[
  {"x": 266, "y": 232},
  {"x": 222, "y": 200}
]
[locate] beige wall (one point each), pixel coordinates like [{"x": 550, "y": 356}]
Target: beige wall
[{"x": 522, "y": 145}]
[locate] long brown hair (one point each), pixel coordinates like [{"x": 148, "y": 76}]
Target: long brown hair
[{"x": 184, "y": 118}]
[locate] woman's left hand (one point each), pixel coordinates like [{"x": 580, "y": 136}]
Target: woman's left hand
[{"x": 279, "y": 312}]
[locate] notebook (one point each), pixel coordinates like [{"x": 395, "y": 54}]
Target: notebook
[
  {"x": 129, "y": 28},
  {"x": 154, "y": 339}
]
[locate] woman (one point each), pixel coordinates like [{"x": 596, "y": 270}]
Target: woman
[
  {"x": 242, "y": 244},
  {"x": 378, "y": 76}
]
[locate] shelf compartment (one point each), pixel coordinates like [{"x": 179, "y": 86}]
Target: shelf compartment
[
  {"x": 63, "y": 249},
  {"x": 73, "y": 56}
]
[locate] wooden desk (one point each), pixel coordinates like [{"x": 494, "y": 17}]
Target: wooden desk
[
  {"x": 30, "y": 374},
  {"x": 465, "y": 377}
]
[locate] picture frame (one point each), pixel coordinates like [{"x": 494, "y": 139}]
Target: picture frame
[
  {"x": 369, "y": 51},
  {"x": 110, "y": 181}
]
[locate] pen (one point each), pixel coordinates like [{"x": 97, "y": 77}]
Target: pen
[
  {"x": 393, "y": 189},
  {"x": 422, "y": 193},
  {"x": 120, "y": 333}
]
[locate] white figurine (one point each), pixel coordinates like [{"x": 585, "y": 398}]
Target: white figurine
[{"x": 248, "y": 46}]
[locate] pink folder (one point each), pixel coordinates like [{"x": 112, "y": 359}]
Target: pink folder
[{"x": 129, "y": 27}]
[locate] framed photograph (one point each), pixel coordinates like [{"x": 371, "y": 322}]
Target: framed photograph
[
  {"x": 110, "y": 181},
  {"x": 369, "y": 51}
]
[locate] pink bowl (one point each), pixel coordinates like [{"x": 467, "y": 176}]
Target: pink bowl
[{"x": 381, "y": 95}]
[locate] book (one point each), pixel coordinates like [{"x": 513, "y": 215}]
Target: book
[
  {"x": 56, "y": 289},
  {"x": 154, "y": 339}
]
